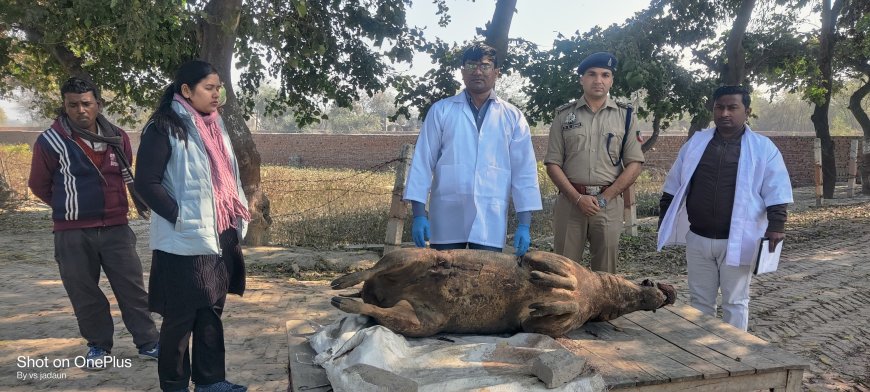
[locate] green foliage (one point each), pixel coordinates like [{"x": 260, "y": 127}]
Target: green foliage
[
  {"x": 320, "y": 52},
  {"x": 126, "y": 46}
]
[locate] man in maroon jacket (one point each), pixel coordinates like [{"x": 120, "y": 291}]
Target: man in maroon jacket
[{"x": 80, "y": 168}]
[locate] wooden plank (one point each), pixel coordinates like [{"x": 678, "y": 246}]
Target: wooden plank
[
  {"x": 754, "y": 344},
  {"x": 738, "y": 347},
  {"x": 305, "y": 375},
  {"x": 654, "y": 343},
  {"x": 794, "y": 382},
  {"x": 616, "y": 372},
  {"x": 624, "y": 346},
  {"x": 749, "y": 382},
  {"x": 695, "y": 340}
]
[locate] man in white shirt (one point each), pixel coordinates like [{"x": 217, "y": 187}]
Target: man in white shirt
[
  {"x": 730, "y": 188},
  {"x": 473, "y": 157}
]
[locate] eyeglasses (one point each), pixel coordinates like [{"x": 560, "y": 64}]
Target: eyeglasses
[{"x": 483, "y": 67}]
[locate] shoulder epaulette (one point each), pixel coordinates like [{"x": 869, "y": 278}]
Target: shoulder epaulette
[
  {"x": 624, "y": 105},
  {"x": 565, "y": 106}
]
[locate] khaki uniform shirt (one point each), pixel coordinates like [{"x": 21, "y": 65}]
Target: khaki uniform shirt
[{"x": 579, "y": 142}]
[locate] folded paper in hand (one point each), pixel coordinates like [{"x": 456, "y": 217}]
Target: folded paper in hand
[{"x": 767, "y": 261}]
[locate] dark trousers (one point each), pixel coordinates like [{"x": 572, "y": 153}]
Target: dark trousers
[
  {"x": 80, "y": 253},
  {"x": 174, "y": 363},
  {"x": 463, "y": 245}
]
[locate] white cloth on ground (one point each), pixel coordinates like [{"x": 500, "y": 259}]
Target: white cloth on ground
[{"x": 442, "y": 363}]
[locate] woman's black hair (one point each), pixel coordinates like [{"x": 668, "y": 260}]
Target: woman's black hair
[{"x": 164, "y": 118}]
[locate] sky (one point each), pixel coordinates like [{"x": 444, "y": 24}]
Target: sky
[{"x": 538, "y": 21}]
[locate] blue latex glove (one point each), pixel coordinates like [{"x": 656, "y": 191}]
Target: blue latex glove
[
  {"x": 420, "y": 231},
  {"x": 522, "y": 239}
]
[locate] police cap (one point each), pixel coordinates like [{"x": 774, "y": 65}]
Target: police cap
[{"x": 598, "y": 60}]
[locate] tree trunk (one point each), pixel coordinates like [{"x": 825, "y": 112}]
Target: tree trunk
[
  {"x": 217, "y": 35},
  {"x": 735, "y": 70},
  {"x": 497, "y": 31},
  {"x": 820, "y": 113},
  {"x": 823, "y": 132},
  {"x": 651, "y": 141},
  {"x": 861, "y": 115}
]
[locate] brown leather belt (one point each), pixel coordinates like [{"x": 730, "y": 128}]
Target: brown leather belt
[{"x": 591, "y": 190}]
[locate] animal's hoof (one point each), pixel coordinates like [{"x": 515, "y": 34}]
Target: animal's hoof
[
  {"x": 670, "y": 293},
  {"x": 346, "y": 304},
  {"x": 344, "y": 282}
]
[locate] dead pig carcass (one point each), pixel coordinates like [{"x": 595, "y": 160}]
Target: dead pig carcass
[{"x": 421, "y": 292}]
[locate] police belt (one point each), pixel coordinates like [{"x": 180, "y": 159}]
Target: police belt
[{"x": 591, "y": 190}]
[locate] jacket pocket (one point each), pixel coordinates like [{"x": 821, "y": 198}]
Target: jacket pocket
[
  {"x": 452, "y": 182},
  {"x": 494, "y": 182},
  {"x": 189, "y": 217},
  {"x": 574, "y": 141}
]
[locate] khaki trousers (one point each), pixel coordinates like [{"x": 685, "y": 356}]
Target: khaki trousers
[{"x": 572, "y": 229}]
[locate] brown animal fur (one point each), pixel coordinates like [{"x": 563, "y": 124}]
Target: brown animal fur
[{"x": 420, "y": 292}]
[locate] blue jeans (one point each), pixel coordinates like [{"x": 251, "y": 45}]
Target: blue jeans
[{"x": 463, "y": 245}]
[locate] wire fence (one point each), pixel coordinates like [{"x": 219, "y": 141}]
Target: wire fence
[{"x": 331, "y": 208}]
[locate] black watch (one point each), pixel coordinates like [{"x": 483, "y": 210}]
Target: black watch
[{"x": 602, "y": 202}]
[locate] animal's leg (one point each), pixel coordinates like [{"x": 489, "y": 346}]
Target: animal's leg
[
  {"x": 400, "y": 318},
  {"x": 551, "y": 318},
  {"x": 557, "y": 308},
  {"x": 552, "y": 280},
  {"x": 395, "y": 262},
  {"x": 550, "y": 270},
  {"x": 352, "y": 279}
]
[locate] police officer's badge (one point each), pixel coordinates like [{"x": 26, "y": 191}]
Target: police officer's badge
[
  {"x": 570, "y": 122},
  {"x": 570, "y": 118}
]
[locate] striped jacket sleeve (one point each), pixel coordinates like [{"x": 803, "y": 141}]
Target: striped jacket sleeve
[{"x": 42, "y": 166}]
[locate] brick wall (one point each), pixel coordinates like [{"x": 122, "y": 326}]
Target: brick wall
[{"x": 368, "y": 151}]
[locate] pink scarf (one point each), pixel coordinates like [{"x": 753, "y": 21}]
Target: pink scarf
[{"x": 223, "y": 179}]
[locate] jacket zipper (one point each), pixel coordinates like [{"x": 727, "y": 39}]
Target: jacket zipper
[{"x": 100, "y": 173}]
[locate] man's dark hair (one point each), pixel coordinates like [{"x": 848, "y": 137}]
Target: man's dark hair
[
  {"x": 479, "y": 50},
  {"x": 733, "y": 90},
  {"x": 78, "y": 85}
]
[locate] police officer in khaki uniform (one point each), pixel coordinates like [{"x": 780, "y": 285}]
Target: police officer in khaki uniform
[{"x": 592, "y": 159}]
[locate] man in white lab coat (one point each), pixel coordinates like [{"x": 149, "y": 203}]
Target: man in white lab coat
[
  {"x": 730, "y": 188},
  {"x": 473, "y": 156}
]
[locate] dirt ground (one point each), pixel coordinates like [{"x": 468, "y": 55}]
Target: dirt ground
[{"x": 816, "y": 306}]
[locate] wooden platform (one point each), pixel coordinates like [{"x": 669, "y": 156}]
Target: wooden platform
[
  {"x": 675, "y": 349},
  {"x": 678, "y": 348}
]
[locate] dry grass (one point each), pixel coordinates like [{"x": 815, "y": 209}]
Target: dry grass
[
  {"x": 326, "y": 208},
  {"x": 14, "y": 171}
]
